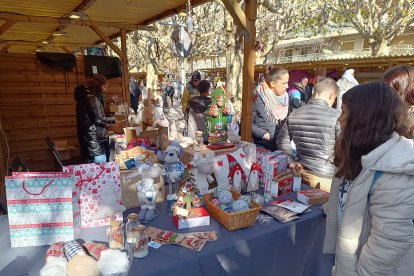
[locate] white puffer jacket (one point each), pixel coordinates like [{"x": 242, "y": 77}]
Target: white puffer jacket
[{"x": 376, "y": 235}]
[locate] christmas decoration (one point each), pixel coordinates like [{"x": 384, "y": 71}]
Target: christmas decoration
[{"x": 217, "y": 117}]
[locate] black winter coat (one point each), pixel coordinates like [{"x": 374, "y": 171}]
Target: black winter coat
[
  {"x": 91, "y": 121},
  {"x": 314, "y": 129},
  {"x": 262, "y": 123}
]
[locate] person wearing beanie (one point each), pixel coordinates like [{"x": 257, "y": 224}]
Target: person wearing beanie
[
  {"x": 191, "y": 90},
  {"x": 196, "y": 109}
]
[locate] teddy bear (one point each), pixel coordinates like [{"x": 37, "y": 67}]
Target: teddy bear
[
  {"x": 173, "y": 167},
  {"x": 147, "y": 193},
  {"x": 89, "y": 259},
  {"x": 203, "y": 167}
]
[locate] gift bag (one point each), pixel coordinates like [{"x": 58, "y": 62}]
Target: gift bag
[
  {"x": 96, "y": 193},
  {"x": 39, "y": 208}
]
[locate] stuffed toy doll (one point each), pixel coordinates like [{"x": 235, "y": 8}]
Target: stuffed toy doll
[
  {"x": 203, "y": 168},
  {"x": 173, "y": 167},
  {"x": 254, "y": 177},
  {"x": 91, "y": 259}
]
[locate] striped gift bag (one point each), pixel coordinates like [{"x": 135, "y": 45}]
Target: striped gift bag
[{"x": 39, "y": 208}]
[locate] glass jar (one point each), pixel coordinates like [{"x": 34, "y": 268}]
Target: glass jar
[
  {"x": 132, "y": 223},
  {"x": 116, "y": 235},
  {"x": 139, "y": 242},
  {"x": 118, "y": 145},
  {"x": 198, "y": 141}
]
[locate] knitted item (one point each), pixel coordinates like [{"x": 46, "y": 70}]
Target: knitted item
[
  {"x": 95, "y": 249},
  {"x": 72, "y": 248},
  {"x": 56, "y": 250}
]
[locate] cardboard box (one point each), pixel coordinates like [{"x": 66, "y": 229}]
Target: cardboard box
[
  {"x": 273, "y": 164},
  {"x": 312, "y": 197},
  {"x": 117, "y": 128},
  {"x": 64, "y": 149},
  {"x": 121, "y": 109},
  {"x": 131, "y": 133},
  {"x": 129, "y": 189},
  {"x": 152, "y": 135},
  {"x": 283, "y": 183},
  {"x": 260, "y": 153},
  {"x": 197, "y": 217}
]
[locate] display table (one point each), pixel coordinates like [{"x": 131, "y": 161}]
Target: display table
[{"x": 293, "y": 248}]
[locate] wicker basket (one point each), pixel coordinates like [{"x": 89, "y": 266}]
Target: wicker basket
[{"x": 232, "y": 221}]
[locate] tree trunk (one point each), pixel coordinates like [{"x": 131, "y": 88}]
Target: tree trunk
[
  {"x": 234, "y": 54},
  {"x": 379, "y": 47},
  {"x": 152, "y": 67},
  {"x": 152, "y": 76}
]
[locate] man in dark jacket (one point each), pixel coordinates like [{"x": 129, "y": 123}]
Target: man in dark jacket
[
  {"x": 135, "y": 95},
  {"x": 196, "y": 109},
  {"x": 91, "y": 120},
  {"x": 314, "y": 129}
]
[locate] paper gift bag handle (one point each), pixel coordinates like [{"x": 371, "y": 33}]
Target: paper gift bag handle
[{"x": 41, "y": 192}]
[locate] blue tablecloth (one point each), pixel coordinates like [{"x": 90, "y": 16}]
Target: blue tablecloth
[{"x": 293, "y": 248}]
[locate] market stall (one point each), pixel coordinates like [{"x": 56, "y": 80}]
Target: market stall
[
  {"x": 292, "y": 248},
  {"x": 198, "y": 205}
]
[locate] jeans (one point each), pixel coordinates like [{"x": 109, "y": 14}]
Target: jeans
[{"x": 100, "y": 158}]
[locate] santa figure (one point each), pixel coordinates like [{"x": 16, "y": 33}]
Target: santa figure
[
  {"x": 254, "y": 177},
  {"x": 237, "y": 179}
]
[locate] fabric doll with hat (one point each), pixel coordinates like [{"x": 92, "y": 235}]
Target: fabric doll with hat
[
  {"x": 254, "y": 177},
  {"x": 238, "y": 179},
  {"x": 91, "y": 259}
]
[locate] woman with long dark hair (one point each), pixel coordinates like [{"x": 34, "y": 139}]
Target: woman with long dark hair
[
  {"x": 271, "y": 107},
  {"x": 91, "y": 119},
  {"x": 371, "y": 206},
  {"x": 401, "y": 78}
]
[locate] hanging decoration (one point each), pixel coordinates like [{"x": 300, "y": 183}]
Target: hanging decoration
[{"x": 181, "y": 48}]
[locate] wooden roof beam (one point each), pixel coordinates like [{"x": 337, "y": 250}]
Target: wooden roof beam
[
  {"x": 171, "y": 12},
  {"x": 7, "y": 25},
  {"x": 66, "y": 50},
  {"x": 68, "y": 21},
  {"x": 107, "y": 40},
  {"x": 4, "y": 48},
  {"x": 239, "y": 17},
  {"x": 54, "y": 44},
  {"x": 86, "y": 4}
]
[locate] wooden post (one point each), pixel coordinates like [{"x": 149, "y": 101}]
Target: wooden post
[
  {"x": 125, "y": 76},
  {"x": 248, "y": 71}
]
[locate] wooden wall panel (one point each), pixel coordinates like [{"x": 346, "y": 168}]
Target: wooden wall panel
[{"x": 37, "y": 101}]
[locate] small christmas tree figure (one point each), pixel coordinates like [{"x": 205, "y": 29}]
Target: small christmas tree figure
[
  {"x": 188, "y": 175},
  {"x": 188, "y": 199},
  {"x": 217, "y": 117}
]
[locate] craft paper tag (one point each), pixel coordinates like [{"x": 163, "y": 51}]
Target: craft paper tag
[
  {"x": 154, "y": 244},
  {"x": 274, "y": 188},
  {"x": 297, "y": 183}
]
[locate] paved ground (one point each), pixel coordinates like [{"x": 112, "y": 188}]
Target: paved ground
[{"x": 175, "y": 117}]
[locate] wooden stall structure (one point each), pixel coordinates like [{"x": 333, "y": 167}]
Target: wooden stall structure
[{"x": 37, "y": 101}]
